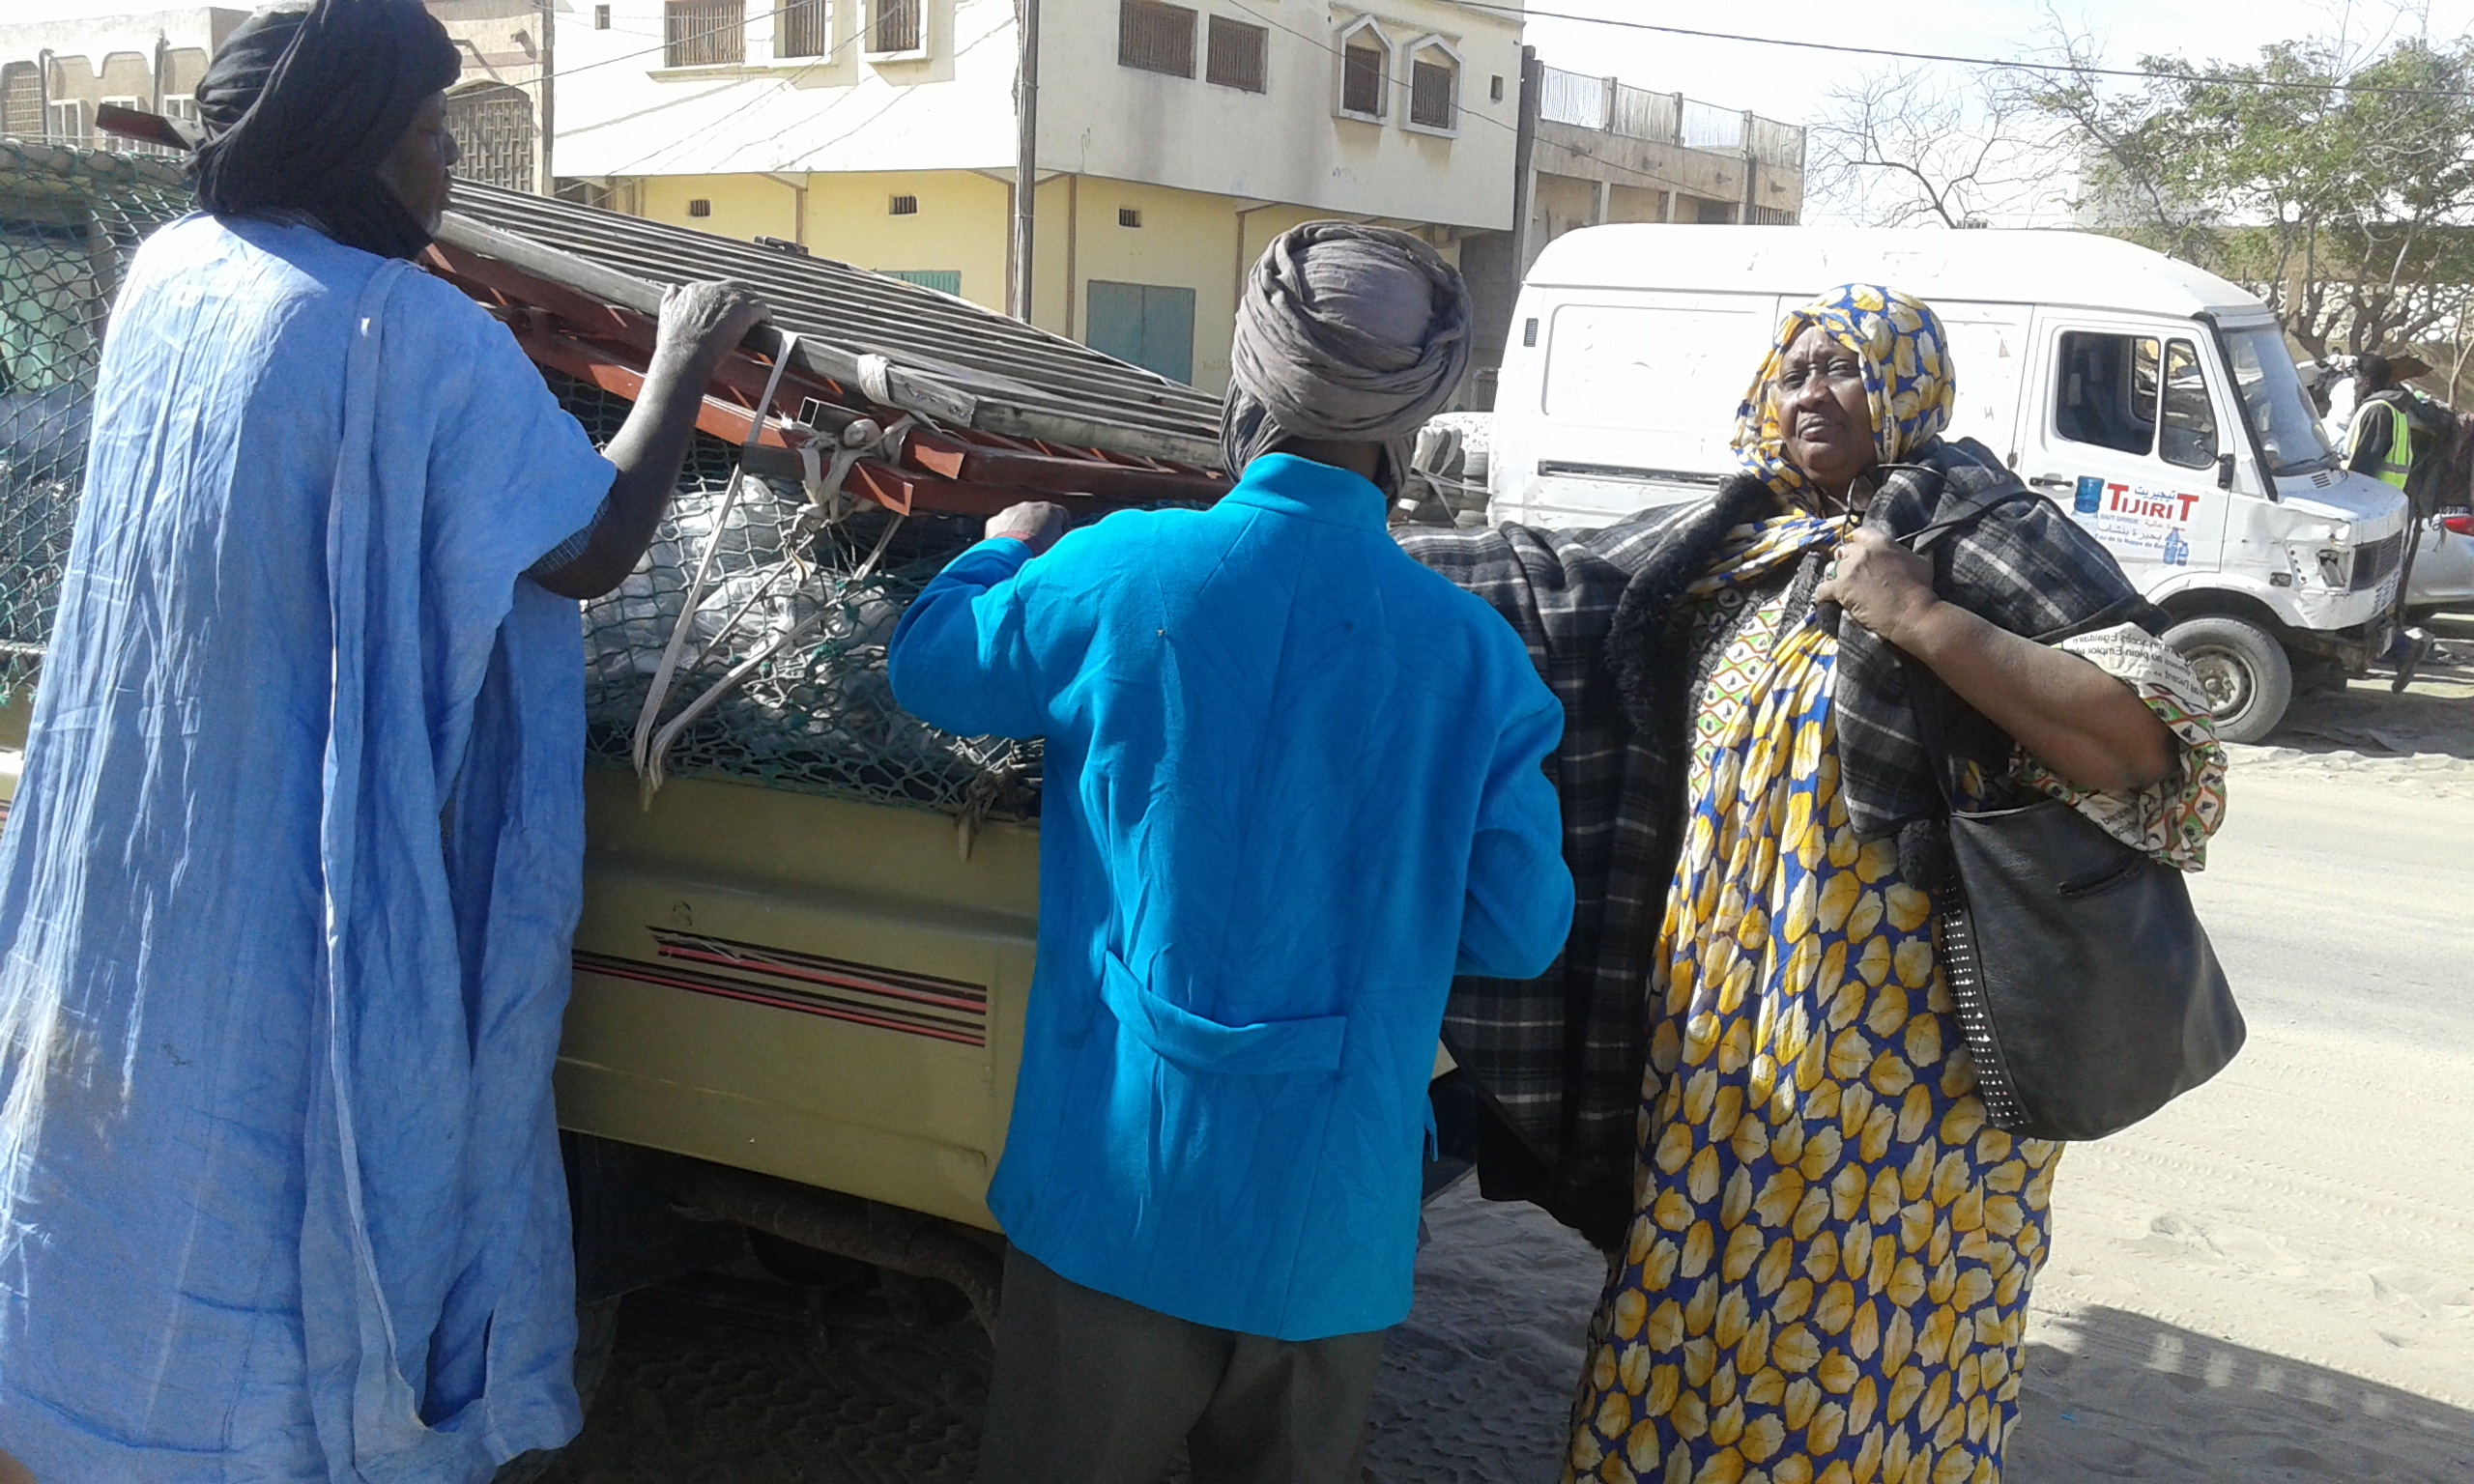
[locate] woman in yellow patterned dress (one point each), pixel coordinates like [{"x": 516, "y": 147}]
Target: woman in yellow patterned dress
[
  {"x": 1827, "y": 1274},
  {"x": 1819, "y": 1270}
]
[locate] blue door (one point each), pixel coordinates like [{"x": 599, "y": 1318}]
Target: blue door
[
  {"x": 944, "y": 280},
  {"x": 1148, "y": 324}
]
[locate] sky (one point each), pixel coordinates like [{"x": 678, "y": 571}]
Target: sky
[{"x": 1793, "y": 86}]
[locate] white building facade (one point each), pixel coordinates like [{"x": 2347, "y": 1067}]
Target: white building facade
[{"x": 1173, "y": 141}]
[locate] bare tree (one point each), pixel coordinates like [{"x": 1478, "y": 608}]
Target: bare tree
[{"x": 1916, "y": 148}]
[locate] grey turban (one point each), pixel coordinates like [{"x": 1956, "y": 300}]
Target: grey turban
[{"x": 1350, "y": 333}]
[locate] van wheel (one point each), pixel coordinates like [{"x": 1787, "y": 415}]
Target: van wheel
[{"x": 2245, "y": 670}]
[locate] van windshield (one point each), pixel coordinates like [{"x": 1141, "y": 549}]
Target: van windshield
[{"x": 2273, "y": 399}]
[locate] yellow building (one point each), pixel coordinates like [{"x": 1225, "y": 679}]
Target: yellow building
[{"x": 1173, "y": 141}]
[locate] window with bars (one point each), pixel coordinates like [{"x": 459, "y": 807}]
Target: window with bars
[
  {"x": 1365, "y": 67},
  {"x": 493, "y": 130},
  {"x": 800, "y": 28},
  {"x": 21, "y": 100},
  {"x": 704, "y": 33},
  {"x": 1434, "y": 89},
  {"x": 1236, "y": 59},
  {"x": 895, "y": 26},
  {"x": 1156, "y": 37}
]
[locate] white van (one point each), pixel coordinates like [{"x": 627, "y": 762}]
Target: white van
[{"x": 2156, "y": 402}]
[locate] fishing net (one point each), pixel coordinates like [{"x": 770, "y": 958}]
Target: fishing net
[
  {"x": 818, "y": 718},
  {"x": 821, "y": 717}
]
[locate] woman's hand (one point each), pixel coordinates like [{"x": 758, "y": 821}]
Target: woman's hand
[
  {"x": 2082, "y": 723},
  {"x": 1880, "y": 584}
]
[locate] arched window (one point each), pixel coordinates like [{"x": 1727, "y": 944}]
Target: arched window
[
  {"x": 1434, "y": 87},
  {"x": 1366, "y": 71}
]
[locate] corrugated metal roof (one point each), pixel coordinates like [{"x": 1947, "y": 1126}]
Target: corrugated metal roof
[{"x": 1029, "y": 383}]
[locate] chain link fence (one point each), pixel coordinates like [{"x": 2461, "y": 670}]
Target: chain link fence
[
  {"x": 69, "y": 221},
  {"x": 818, "y": 718}
]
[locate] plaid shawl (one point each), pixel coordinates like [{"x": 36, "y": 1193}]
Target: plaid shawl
[{"x": 1557, "y": 1060}]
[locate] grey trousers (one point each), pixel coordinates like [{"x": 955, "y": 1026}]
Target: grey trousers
[{"x": 1092, "y": 1389}]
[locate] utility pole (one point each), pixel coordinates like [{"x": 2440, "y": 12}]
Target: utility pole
[
  {"x": 1026, "y": 152},
  {"x": 548, "y": 183},
  {"x": 1524, "y": 168}
]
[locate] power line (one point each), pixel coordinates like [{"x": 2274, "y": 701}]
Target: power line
[
  {"x": 669, "y": 42},
  {"x": 2067, "y": 68},
  {"x": 782, "y": 85}
]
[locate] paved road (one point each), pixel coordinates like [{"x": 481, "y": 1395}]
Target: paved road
[{"x": 2270, "y": 1281}]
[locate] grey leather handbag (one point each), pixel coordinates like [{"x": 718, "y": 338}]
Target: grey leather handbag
[{"x": 2087, "y": 990}]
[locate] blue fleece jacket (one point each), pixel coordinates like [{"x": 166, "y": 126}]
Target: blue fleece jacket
[{"x": 1294, "y": 783}]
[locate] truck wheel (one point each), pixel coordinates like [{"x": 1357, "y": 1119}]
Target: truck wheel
[{"x": 2245, "y": 670}]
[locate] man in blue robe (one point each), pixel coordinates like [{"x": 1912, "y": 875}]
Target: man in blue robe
[
  {"x": 285, "y": 901},
  {"x": 1293, "y": 784}
]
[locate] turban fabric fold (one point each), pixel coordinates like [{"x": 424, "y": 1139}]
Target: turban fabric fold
[
  {"x": 302, "y": 103},
  {"x": 1345, "y": 333}
]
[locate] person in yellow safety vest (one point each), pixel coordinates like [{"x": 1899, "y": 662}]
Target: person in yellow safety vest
[{"x": 2381, "y": 443}]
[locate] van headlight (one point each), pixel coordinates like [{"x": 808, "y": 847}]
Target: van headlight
[{"x": 2336, "y": 567}]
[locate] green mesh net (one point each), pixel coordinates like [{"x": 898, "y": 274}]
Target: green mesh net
[
  {"x": 820, "y": 718},
  {"x": 70, "y": 220}
]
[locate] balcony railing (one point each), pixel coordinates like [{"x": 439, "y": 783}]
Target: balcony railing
[{"x": 1617, "y": 107}]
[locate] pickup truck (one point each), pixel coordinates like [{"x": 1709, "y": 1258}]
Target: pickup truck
[{"x": 800, "y": 976}]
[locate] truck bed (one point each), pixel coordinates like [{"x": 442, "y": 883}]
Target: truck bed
[{"x": 822, "y": 990}]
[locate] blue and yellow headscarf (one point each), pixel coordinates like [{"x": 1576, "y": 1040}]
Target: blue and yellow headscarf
[{"x": 1907, "y": 378}]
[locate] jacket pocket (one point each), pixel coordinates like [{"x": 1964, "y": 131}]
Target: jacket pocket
[{"x": 1264, "y": 1048}]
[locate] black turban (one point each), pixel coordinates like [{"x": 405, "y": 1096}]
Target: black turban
[{"x": 302, "y": 103}]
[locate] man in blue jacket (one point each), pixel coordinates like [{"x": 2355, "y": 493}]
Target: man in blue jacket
[{"x": 1294, "y": 784}]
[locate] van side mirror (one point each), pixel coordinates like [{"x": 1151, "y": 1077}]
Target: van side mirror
[{"x": 2225, "y": 470}]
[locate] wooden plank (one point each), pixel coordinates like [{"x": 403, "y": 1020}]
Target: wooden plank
[
  {"x": 725, "y": 420},
  {"x": 1051, "y": 474},
  {"x": 901, "y": 489}
]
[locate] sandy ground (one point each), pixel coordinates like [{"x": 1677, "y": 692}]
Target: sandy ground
[{"x": 2271, "y": 1280}]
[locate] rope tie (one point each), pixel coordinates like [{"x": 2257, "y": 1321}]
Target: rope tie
[
  {"x": 822, "y": 482},
  {"x": 649, "y": 768}
]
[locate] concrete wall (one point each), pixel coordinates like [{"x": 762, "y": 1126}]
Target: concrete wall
[
  {"x": 1286, "y": 144},
  {"x": 1710, "y": 175},
  {"x": 1191, "y": 240},
  {"x": 962, "y": 223}
]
